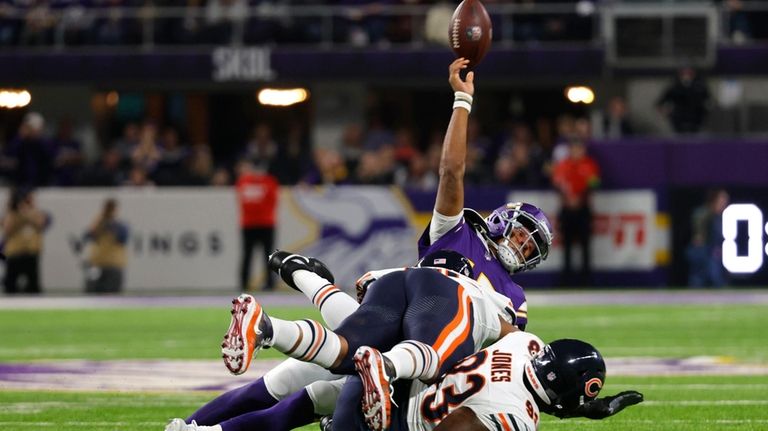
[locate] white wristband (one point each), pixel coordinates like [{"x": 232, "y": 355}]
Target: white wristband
[
  {"x": 462, "y": 104},
  {"x": 460, "y": 95}
]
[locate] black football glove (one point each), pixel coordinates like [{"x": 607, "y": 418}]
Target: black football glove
[
  {"x": 285, "y": 264},
  {"x": 601, "y": 408}
]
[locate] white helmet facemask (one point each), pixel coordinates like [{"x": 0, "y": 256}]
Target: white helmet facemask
[
  {"x": 503, "y": 229},
  {"x": 511, "y": 254}
]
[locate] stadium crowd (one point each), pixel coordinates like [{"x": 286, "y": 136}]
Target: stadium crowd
[
  {"x": 356, "y": 22},
  {"x": 147, "y": 154},
  {"x": 185, "y": 22}
]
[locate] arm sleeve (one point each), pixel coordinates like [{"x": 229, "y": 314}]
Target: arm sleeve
[{"x": 440, "y": 225}]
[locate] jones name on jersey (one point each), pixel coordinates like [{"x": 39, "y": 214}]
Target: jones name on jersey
[{"x": 490, "y": 383}]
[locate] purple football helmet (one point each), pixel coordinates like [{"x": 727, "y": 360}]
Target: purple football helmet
[{"x": 502, "y": 223}]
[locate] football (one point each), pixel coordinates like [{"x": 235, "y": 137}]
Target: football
[{"x": 470, "y": 32}]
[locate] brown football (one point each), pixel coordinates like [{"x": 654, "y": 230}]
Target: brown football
[{"x": 471, "y": 32}]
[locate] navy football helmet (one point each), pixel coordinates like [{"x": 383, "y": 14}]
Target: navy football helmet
[
  {"x": 570, "y": 372},
  {"x": 448, "y": 259},
  {"x": 504, "y": 221}
]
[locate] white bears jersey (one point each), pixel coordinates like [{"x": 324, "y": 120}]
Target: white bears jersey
[
  {"x": 487, "y": 305},
  {"x": 490, "y": 382}
]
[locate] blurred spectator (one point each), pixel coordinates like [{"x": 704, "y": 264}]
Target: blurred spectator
[
  {"x": 435, "y": 150},
  {"x": 352, "y": 145},
  {"x": 582, "y": 24},
  {"x": 74, "y": 23},
  {"x": 138, "y": 177},
  {"x": 299, "y": 28},
  {"x": 257, "y": 193},
  {"x": 199, "y": 166},
  {"x": 505, "y": 170},
  {"x": 738, "y": 21},
  {"x": 378, "y": 134},
  {"x": 29, "y": 153},
  {"x": 417, "y": 174},
  {"x": 192, "y": 23},
  {"x": 107, "y": 172},
  {"x": 128, "y": 142},
  {"x": 146, "y": 153},
  {"x": 221, "y": 177},
  {"x": 520, "y": 161},
  {"x": 554, "y": 26},
  {"x": 400, "y": 28},
  {"x": 261, "y": 149},
  {"x": 705, "y": 253},
  {"x": 23, "y": 228},
  {"x": 328, "y": 168},
  {"x": 615, "y": 121},
  {"x": 376, "y": 167},
  {"x": 39, "y": 23},
  {"x": 362, "y": 22},
  {"x": 480, "y": 143},
  {"x": 171, "y": 161},
  {"x": 7, "y": 164},
  {"x": 225, "y": 20},
  {"x": 112, "y": 27},
  {"x": 479, "y": 153},
  {"x": 404, "y": 145},
  {"x": 271, "y": 23},
  {"x": 291, "y": 161},
  {"x": 582, "y": 130},
  {"x": 524, "y": 27},
  {"x": 10, "y": 24},
  {"x": 566, "y": 132},
  {"x": 574, "y": 178},
  {"x": 107, "y": 256},
  {"x": 67, "y": 155},
  {"x": 685, "y": 102},
  {"x": 437, "y": 21}
]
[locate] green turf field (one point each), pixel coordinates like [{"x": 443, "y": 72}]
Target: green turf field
[{"x": 672, "y": 402}]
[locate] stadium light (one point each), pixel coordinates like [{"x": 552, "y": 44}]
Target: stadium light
[
  {"x": 580, "y": 94},
  {"x": 282, "y": 97},
  {"x": 11, "y": 99}
]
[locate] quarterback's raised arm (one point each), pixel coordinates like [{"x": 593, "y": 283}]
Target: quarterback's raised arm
[{"x": 450, "y": 189}]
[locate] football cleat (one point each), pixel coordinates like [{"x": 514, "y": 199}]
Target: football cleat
[
  {"x": 377, "y": 389},
  {"x": 249, "y": 330},
  {"x": 285, "y": 264},
  {"x": 179, "y": 425}
]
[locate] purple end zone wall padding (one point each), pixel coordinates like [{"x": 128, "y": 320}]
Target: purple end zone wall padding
[
  {"x": 311, "y": 63},
  {"x": 184, "y": 64},
  {"x": 748, "y": 60},
  {"x": 657, "y": 164}
]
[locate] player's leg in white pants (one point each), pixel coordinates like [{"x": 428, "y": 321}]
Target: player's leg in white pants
[{"x": 293, "y": 375}]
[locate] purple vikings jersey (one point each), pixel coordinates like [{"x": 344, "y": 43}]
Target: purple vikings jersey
[{"x": 464, "y": 239}]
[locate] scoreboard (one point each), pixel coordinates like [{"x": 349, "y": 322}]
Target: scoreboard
[{"x": 744, "y": 234}]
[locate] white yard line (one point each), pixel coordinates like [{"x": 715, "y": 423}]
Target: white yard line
[{"x": 188, "y": 375}]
